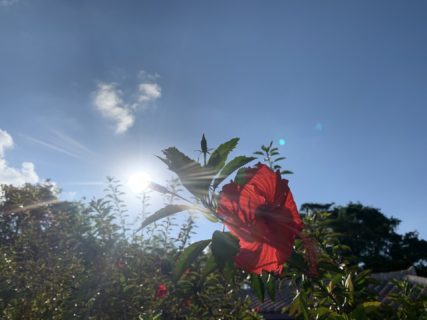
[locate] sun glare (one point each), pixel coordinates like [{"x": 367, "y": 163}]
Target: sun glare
[{"x": 139, "y": 181}]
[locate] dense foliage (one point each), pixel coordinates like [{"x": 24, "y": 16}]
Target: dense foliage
[
  {"x": 65, "y": 260},
  {"x": 75, "y": 260}
]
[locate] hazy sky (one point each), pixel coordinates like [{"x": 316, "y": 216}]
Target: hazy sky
[{"x": 96, "y": 88}]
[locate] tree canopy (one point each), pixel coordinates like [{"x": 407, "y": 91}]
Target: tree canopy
[{"x": 372, "y": 237}]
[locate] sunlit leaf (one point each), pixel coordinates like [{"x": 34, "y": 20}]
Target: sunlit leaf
[
  {"x": 193, "y": 177},
  {"x": 164, "y": 212},
  {"x": 230, "y": 167},
  {"x": 219, "y": 156}
]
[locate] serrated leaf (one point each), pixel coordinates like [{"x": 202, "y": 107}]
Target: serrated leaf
[
  {"x": 230, "y": 167},
  {"x": 193, "y": 177},
  {"x": 187, "y": 257},
  {"x": 224, "y": 247},
  {"x": 258, "y": 286},
  {"x": 163, "y": 213},
  {"x": 219, "y": 156}
]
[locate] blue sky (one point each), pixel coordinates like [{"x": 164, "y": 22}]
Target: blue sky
[{"x": 96, "y": 88}]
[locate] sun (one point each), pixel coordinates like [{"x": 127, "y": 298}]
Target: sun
[{"x": 139, "y": 181}]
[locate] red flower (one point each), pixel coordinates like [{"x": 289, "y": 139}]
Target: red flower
[
  {"x": 263, "y": 215},
  {"x": 161, "y": 291},
  {"x": 120, "y": 264}
]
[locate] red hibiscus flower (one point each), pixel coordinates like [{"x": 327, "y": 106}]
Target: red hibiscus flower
[
  {"x": 262, "y": 214},
  {"x": 120, "y": 264},
  {"x": 161, "y": 291}
]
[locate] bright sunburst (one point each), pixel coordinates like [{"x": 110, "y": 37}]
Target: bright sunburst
[{"x": 139, "y": 181}]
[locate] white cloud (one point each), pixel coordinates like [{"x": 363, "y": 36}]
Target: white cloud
[
  {"x": 10, "y": 175},
  {"x": 109, "y": 101},
  {"x": 148, "y": 92},
  {"x": 6, "y": 142}
]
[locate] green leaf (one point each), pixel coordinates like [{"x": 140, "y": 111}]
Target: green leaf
[
  {"x": 271, "y": 287},
  {"x": 258, "y": 286},
  {"x": 210, "y": 266},
  {"x": 193, "y": 177},
  {"x": 241, "y": 177},
  {"x": 371, "y": 306},
  {"x": 229, "y": 271},
  {"x": 286, "y": 172},
  {"x": 187, "y": 257},
  {"x": 359, "y": 313},
  {"x": 163, "y": 213},
  {"x": 349, "y": 285},
  {"x": 224, "y": 247},
  {"x": 304, "y": 307},
  {"x": 230, "y": 167},
  {"x": 219, "y": 156},
  {"x": 298, "y": 262}
]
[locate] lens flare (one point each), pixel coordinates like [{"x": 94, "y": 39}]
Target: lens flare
[
  {"x": 282, "y": 142},
  {"x": 139, "y": 181}
]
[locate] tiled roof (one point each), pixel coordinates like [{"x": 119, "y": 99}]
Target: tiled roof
[{"x": 384, "y": 287}]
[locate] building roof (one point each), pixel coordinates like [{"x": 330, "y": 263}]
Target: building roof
[{"x": 384, "y": 287}]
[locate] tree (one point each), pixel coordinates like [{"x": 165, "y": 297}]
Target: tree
[{"x": 372, "y": 238}]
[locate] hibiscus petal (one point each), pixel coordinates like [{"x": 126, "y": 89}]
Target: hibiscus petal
[
  {"x": 264, "y": 180},
  {"x": 255, "y": 257}
]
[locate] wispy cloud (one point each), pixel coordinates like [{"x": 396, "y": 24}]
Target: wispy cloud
[
  {"x": 61, "y": 142},
  {"x": 84, "y": 183},
  {"x": 52, "y": 147},
  {"x": 109, "y": 101},
  {"x": 71, "y": 143},
  {"x": 10, "y": 175}
]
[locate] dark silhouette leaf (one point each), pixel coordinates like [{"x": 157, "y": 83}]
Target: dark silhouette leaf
[
  {"x": 258, "y": 286},
  {"x": 224, "y": 247},
  {"x": 187, "y": 257}
]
